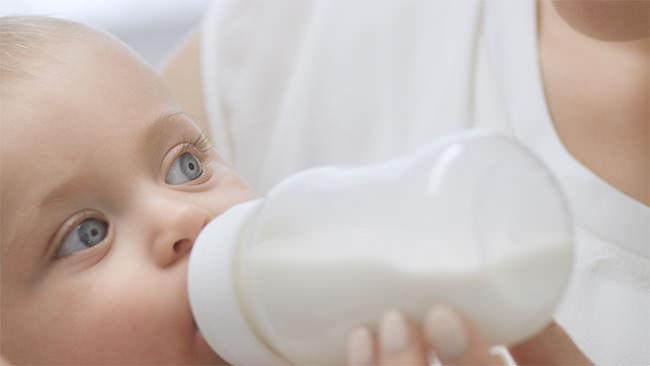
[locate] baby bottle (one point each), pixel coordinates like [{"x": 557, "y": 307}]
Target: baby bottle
[{"x": 474, "y": 221}]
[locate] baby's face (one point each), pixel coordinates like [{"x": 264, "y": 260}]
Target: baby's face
[{"x": 105, "y": 185}]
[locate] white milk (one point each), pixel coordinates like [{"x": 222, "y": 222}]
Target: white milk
[{"x": 304, "y": 294}]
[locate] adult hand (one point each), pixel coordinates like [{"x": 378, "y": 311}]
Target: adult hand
[
  {"x": 401, "y": 342},
  {"x": 454, "y": 340}
]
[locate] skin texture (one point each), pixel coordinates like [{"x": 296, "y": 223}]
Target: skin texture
[{"x": 93, "y": 135}]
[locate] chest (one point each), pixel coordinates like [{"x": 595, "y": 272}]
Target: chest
[{"x": 600, "y": 112}]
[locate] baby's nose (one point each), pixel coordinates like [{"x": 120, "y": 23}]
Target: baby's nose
[{"x": 176, "y": 238}]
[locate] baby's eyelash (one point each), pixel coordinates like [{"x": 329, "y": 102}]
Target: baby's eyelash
[{"x": 200, "y": 144}]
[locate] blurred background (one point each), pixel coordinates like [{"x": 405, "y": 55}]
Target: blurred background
[{"x": 152, "y": 27}]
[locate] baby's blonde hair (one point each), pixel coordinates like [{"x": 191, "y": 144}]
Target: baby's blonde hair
[{"x": 25, "y": 40}]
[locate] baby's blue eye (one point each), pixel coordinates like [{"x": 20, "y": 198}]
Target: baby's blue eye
[
  {"x": 87, "y": 234},
  {"x": 184, "y": 169}
]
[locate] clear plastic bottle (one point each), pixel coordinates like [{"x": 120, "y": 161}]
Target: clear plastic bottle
[{"x": 473, "y": 220}]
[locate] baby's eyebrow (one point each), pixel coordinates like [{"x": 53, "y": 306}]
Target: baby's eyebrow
[
  {"x": 164, "y": 122},
  {"x": 61, "y": 191}
]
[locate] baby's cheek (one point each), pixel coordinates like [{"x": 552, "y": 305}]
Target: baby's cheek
[
  {"x": 132, "y": 314},
  {"x": 138, "y": 314},
  {"x": 50, "y": 327}
]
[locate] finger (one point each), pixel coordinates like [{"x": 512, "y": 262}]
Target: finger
[
  {"x": 455, "y": 341},
  {"x": 552, "y": 346},
  {"x": 360, "y": 349},
  {"x": 399, "y": 342}
]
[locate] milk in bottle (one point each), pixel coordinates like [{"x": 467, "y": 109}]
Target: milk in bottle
[{"x": 474, "y": 221}]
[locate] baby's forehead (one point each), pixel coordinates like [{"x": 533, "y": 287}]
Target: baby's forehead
[
  {"x": 92, "y": 98},
  {"x": 42, "y": 50},
  {"x": 93, "y": 80},
  {"x": 29, "y": 42}
]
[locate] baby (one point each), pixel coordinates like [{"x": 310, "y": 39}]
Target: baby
[{"x": 105, "y": 185}]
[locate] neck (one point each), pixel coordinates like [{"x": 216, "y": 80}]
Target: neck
[
  {"x": 605, "y": 20},
  {"x": 622, "y": 25}
]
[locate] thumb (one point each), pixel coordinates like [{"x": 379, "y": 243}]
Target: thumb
[
  {"x": 455, "y": 340},
  {"x": 551, "y": 346}
]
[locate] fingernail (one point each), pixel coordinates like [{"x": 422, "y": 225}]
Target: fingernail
[
  {"x": 360, "y": 347},
  {"x": 446, "y": 333},
  {"x": 393, "y": 334}
]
